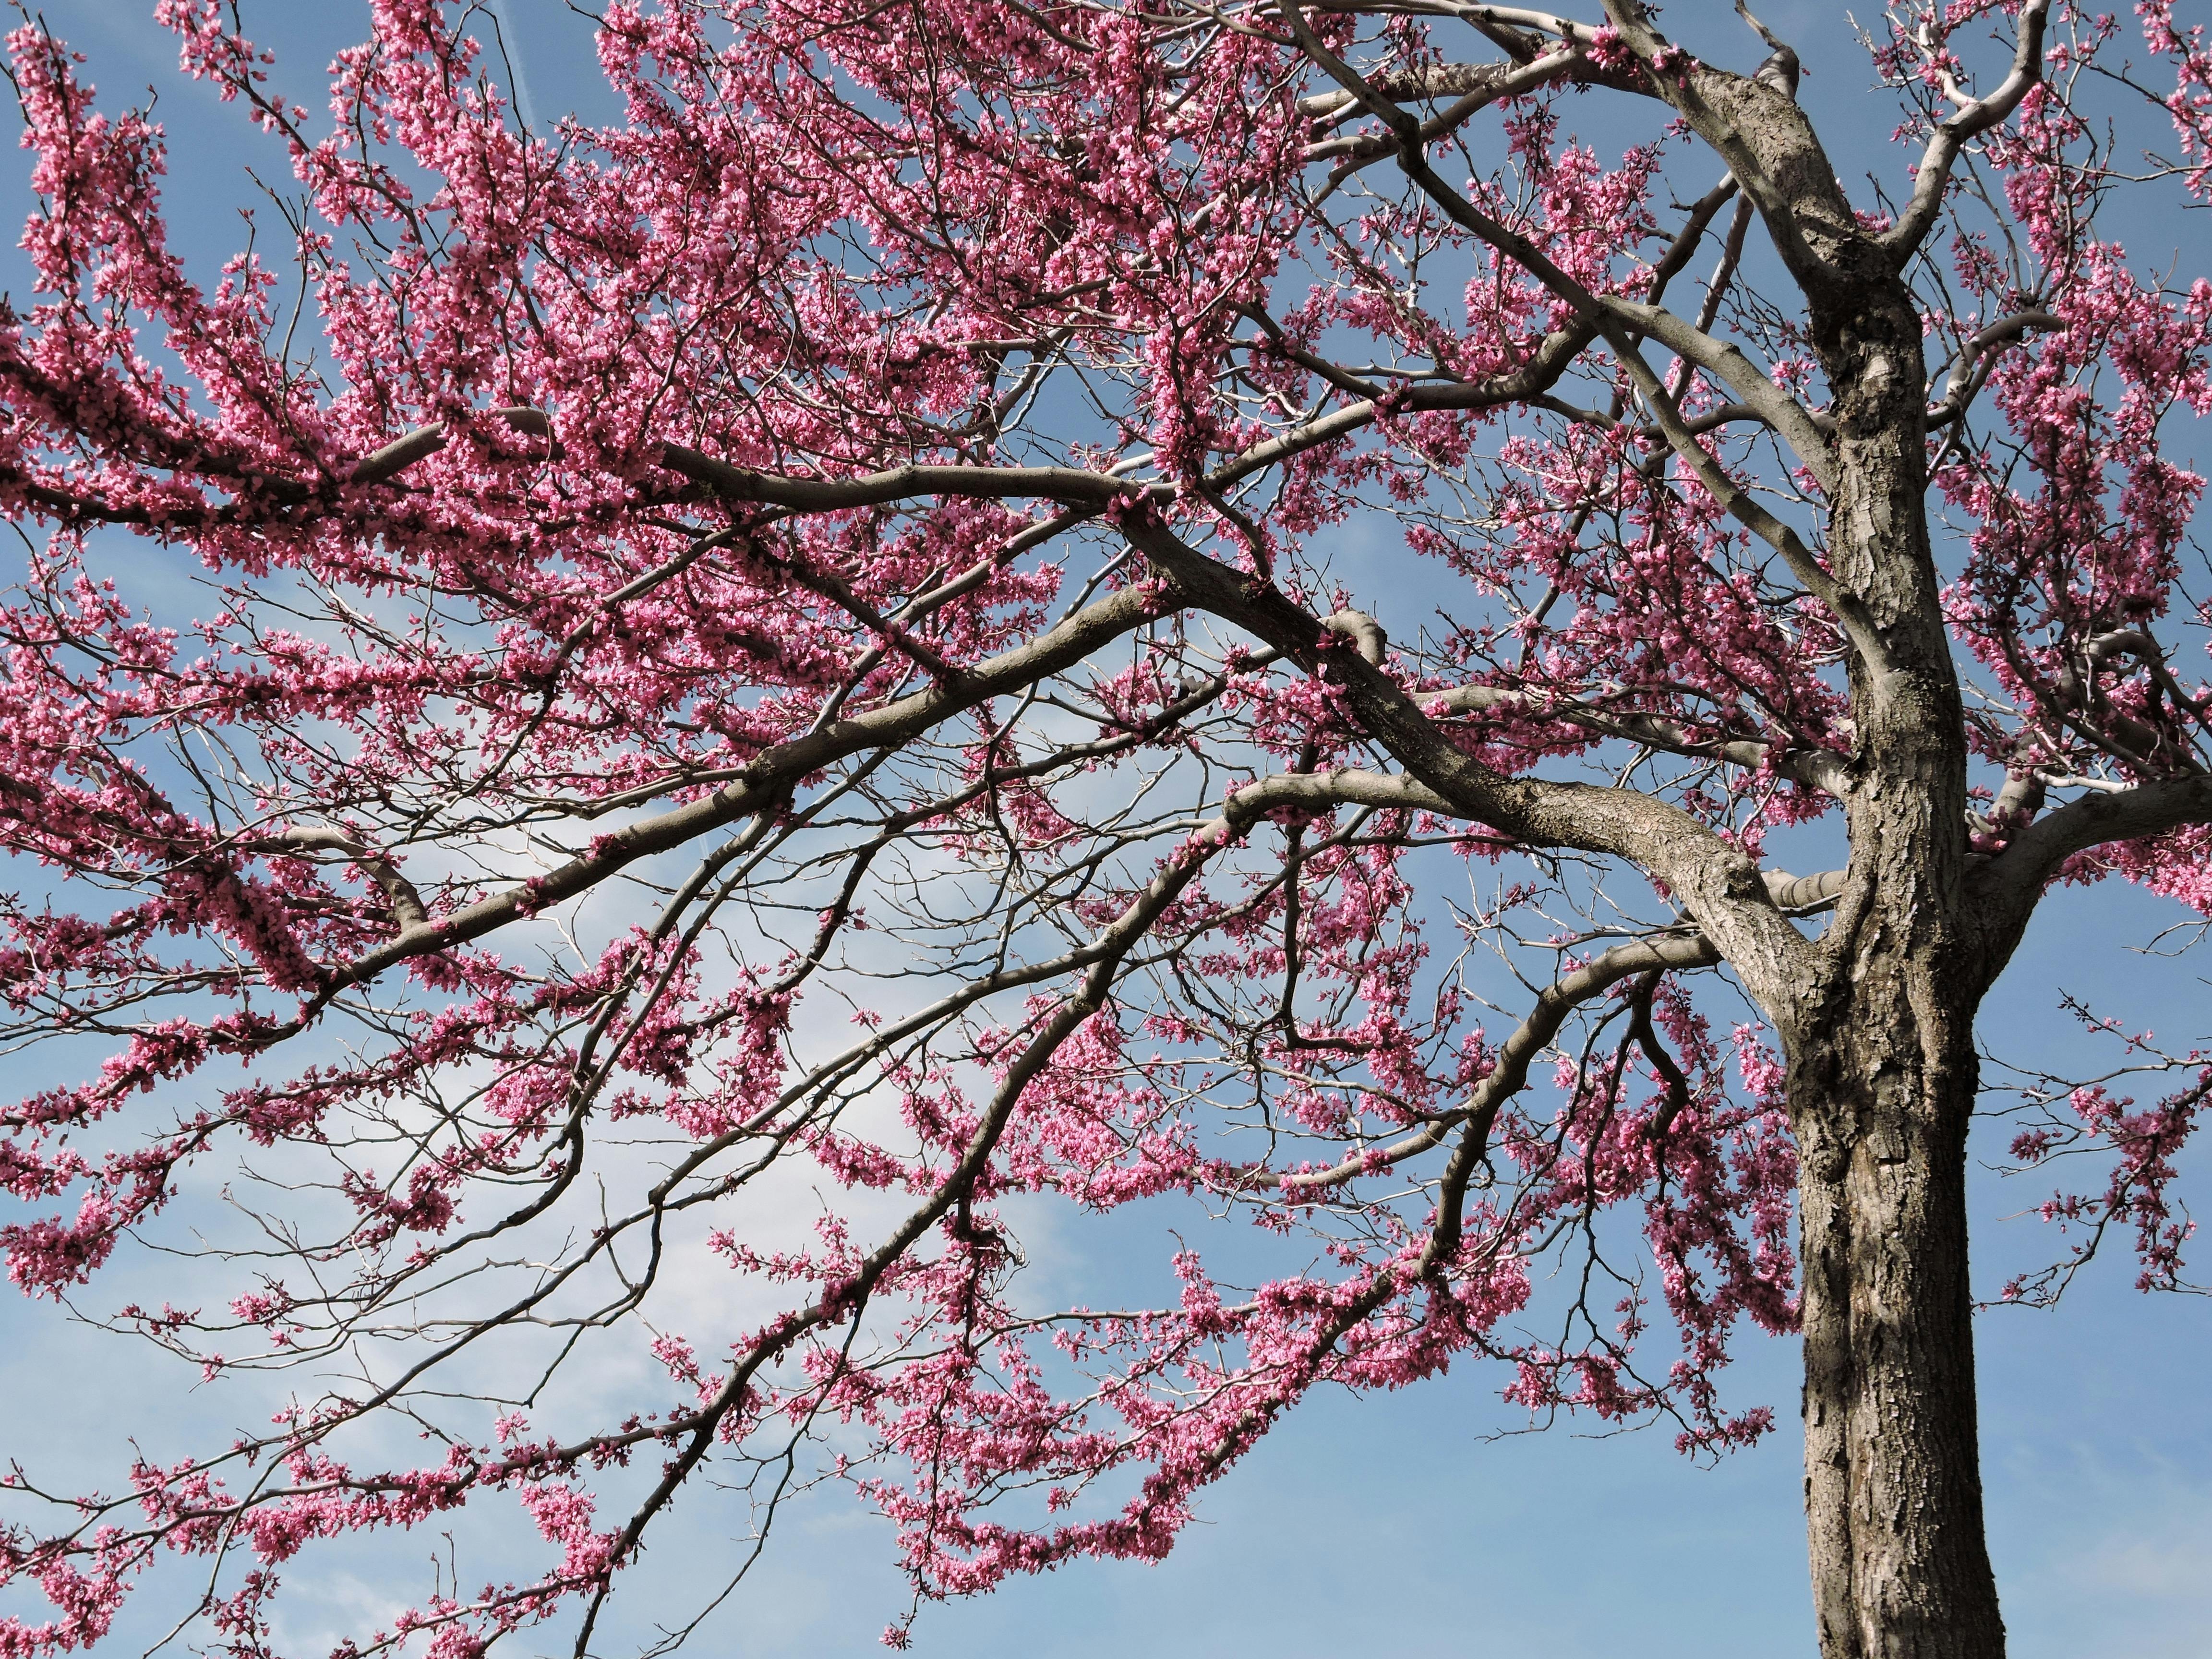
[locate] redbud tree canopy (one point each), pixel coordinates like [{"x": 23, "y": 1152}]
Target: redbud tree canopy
[{"x": 798, "y": 654}]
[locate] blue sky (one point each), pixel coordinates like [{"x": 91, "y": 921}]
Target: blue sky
[{"x": 1397, "y": 1522}]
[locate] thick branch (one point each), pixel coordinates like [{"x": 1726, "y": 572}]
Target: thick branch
[
  {"x": 1756, "y": 127},
  {"x": 1714, "y": 879},
  {"x": 1757, "y": 390},
  {"x": 1804, "y": 564},
  {"x": 1386, "y": 792},
  {"x": 2009, "y": 885},
  {"x": 1974, "y": 115}
]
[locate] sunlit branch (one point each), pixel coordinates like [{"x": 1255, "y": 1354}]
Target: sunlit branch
[{"x": 1973, "y": 116}]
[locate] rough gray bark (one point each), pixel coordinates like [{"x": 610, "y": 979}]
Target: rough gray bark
[
  {"x": 1882, "y": 1072},
  {"x": 1880, "y": 1098}
]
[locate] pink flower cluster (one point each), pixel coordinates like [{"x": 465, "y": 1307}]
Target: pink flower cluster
[{"x": 680, "y": 711}]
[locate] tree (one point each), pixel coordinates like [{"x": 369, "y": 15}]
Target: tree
[{"x": 804, "y": 642}]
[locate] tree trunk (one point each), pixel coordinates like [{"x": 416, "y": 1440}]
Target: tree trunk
[
  {"x": 1893, "y": 1479},
  {"x": 1882, "y": 1061}
]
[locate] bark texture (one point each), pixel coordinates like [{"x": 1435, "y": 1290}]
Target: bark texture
[
  {"x": 1892, "y": 1483},
  {"x": 1883, "y": 1066}
]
